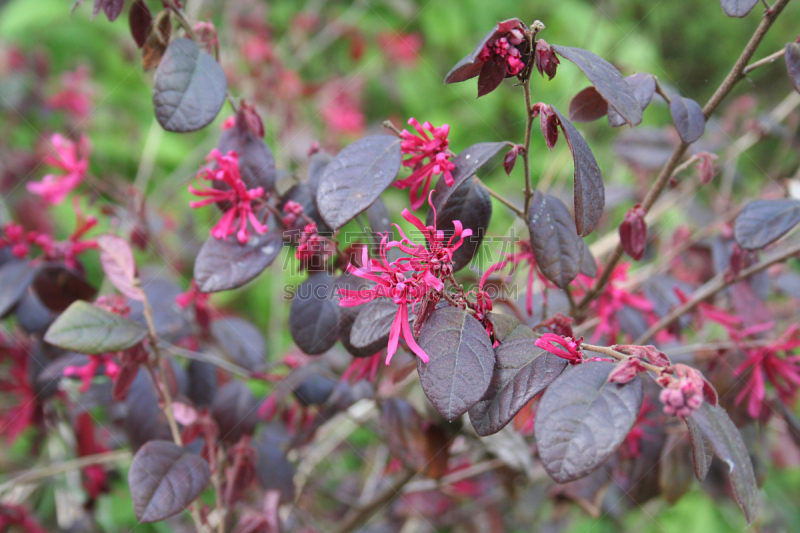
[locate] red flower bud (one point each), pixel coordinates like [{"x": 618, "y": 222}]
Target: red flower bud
[
  {"x": 633, "y": 232},
  {"x": 247, "y": 117},
  {"x": 626, "y": 370},
  {"x": 647, "y": 353},
  {"x": 548, "y": 121},
  {"x": 511, "y": 158},
  {"x": 706, "y": 166},
  {"x": 545, "y": 59}
]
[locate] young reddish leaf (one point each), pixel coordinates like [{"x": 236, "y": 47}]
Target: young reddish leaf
[
  {"x": 273, "y": 469},
  {"x": 234, "y": 410},
  {"x": 314, "y": 314},
  {"x": 356, "y": 178},
  {"x": 763, "y": 222},
  {"x": 222, "y": 265},
  {"x": 58, "y": 286},
  {"x": 792, "y": 57},
  {"x": 140, "y": 19},
  {"x": 726, "y": 441},
  {"x": 419, "y": 445},
  {"x": 738, "y": 8},
  {"x": 644, "y": 87},
  {"x": 112, "y": 8},
  {"x": 164, "y": 479},
  {"x": 256, "y": 162},
  {"x": 583, "y": 418},
  {"x": 116, "y": 257},
  {"x": 589, "y": 192},
  {"x": 15, "y": 277},
  {"x": 633, "y": 232},
  {"x": 492, "y": 75},
  {"x": 688, "y": 118},
  {"x": 702, "y": 454},
  {"x": 158, "y": 37},
  {"x": 607, "y": 80},
  {"x": 470, "y": 204},
  {"x": 521, "y": 371},
  {"x": 86, "y": 328},
  {"x": 556, "y": 246},
  {"x": 587, "y": 106},
  {"x": 189, "y": 87},
  {"x": 241, "y": 341},
  {"x": 461, "y": 361}
]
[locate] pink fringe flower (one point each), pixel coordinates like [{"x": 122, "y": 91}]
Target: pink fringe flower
[
  {"x": 430, "y": 156},
  {"x": 71, "y": 157}
]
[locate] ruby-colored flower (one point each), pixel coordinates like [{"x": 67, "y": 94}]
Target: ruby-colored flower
[
  {"x": 401, "y": 48},
  {"x": 87, "y": 372},
  {"x": 75, "y": 97},
  {"x": 362, "y": 368},
  {"x": 429, "y": 156},
  {"x": 569, "y": 347},
  {"x": 683, "y": 390},
  {"x": 293, "y": 211},
  {"x": 20, "y": 407},
  {"x": 340, "y": 107},
  {"x": 765, "y": 364},
  {"x": 71, "y": 157},
  {"x": 237, "y": 196},
  {"x": 633, "y": 232},
  {"x": 545, "y": 59},
  {"x": 632, "y": 445},
  {"x": 12, "y": 515},
  {"x": 313, "y": 250},
  {"x": 202, "y": 308},
  {"x": 507, "y": 45},
  {"x": 95, "y": 479}
]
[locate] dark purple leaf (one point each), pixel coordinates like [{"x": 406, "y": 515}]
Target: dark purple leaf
[
  {"x": 112, "y": 8},
  {"x": 792, "y": 56},
  {"x": 32, "y": 315},
  {"x": 738, "y": 8},
  {"x": 316, "y": 168},
  {"x": 202, "y": 382},
  {"x": 763, "y": 222},
  {"x": 356, "y": 178},
  {"x": 588, "y": 265},
  {"x": 273, "y": 470},
  {"x": 256, "y": 162},
  {"x": 144, "y": 421},
  {"x": 644, "y": 87},
  {"x": 470, "y": 65},
  {"x": 493, "y": 72},
  {"x": 468, "y": 203},
  {"x": 140, "y": 19},
  {"x": 582, "y": 419},
  {"x": 726, "y": 441},
  {"x": 688, "y": 118},
  {"x": 507, "y": 328},
  {"x": 473, "y": 158},
  {"x": 419, "y": 445},
  {"x": 58, "y": 286},
  {"x": 314, "y": 390},
  {"x": 378, "y": 218},
  {"x": 164, "y": 479},
  {"x": 674, "y": 473},
  {"x": 373, "y": 323},
  {"x": 608, "y": 81},
  {"x": 521, "y": 371},
  {"x": 116, "y": 257},
  {"x": 241, "y": 341},
  {"x": 189, "y": 87},
  {"x": 461, "y": 361},
  {"x": 702, "y": 453},
  {"x": 590, "y": 194},
  {"x": 314, "y": 314},
  {"x": 234, "y": 410},
  {"x": 15, "y": 277},
  {"x": 587, "y": 106},
  {"x": 557, "y": 248},
  {"x": 224, "y": 265},
  {"x": 86, "y": 328}
]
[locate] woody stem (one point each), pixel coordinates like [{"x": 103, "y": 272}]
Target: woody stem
[{"x": 619, "y": 356}]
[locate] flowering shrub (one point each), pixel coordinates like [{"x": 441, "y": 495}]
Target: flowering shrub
[{"x": 412, "y": 328}]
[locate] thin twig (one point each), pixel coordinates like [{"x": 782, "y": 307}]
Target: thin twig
[
  {"x": 761, "y": 62},
  {"x": 36, "y": 474},
  {"x": 619, "y": 356},
  {"x": 520, "y": 213}
]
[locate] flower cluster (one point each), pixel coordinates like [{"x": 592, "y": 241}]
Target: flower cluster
[
  {"x": 505, "y": 45},
  {"x": 235, "y": 197},
  {"x": 683, "y": 390},
  {"x": 72, "y": 158},
  {"x": 313, "y": 250},
  {"x": 430, "y": 156}
]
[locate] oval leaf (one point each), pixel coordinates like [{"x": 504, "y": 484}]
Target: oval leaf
[
  {"x": 222, "y": 265},
  {"x": 521, "y": 371},
  {"x": 86, "y": 328},
  {"x": 241, "y": 340},
  {"x": 473, "y": 158},
  {"x": 607, "y": 80},
  {"x": 461, "y": 361},
  {"x": 738, "y": 8},
  {"x": 557, "y": 248},
  {"x": 15, "y": 277},
  {"x": 273, "y": 469},
  {"x": 644, "y": 87},
  {"x": 688, "y": 118},
  {"x": 589, "y": 192},
  {"x": 726, "y": 441},
  {"x": 373, "y": 323},
  {"x": 587, "y": 105},
  {"x": 189, "y": 87},
  {"x": 314, "y": 314},
  {"x": 763, "y": 222},
  {"x": 164, "y": 479},
  {"x": 792, "y": 57},
  {"x": 234, "y": 410},
  {"x": 140, "y": 19},
  {"x": 58, "y": 286},
  {"x": 116, "y": 257},
  {"x": 582, "y": 419},
  {"x": 702, "y": 454},
  {"x": 356, "y": 178}
]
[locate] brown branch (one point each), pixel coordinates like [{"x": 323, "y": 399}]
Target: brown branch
[
  {"x": 619, "y": 356},
  {"x": 520, "y": 213},
  {"x": 712, "y": 287},
  {"x": 761, "y": 62}
]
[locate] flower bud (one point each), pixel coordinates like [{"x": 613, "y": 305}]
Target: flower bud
[
  {"x": 545, "y": 59},
  {"x": 633, "y": 232}
]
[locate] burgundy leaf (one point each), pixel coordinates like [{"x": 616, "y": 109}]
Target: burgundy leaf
[
  {"x": 557, "y": 248},
  {"x": 472, "y": 158},
  {"x": 58, "y": 286},
  {"x": 226, "y": 264},
  {"x": 763, "y": 222},
  {"x": 590, "y": 195},
  {"x": 140, "y": 19},
  {"x": 356, "y": 178},
  {"x": 116, "y": 257},
  {"x": 273, "y": 469},
  {"x": 164, "y": 479},
  {"x": 461, "y": 361},
  {"x": 419, "y": 445},
  {"x": 702, "y": 454},
  {"x": 644, "y": 87},
  {"x": 633, "y": 232},
  {"x": 793, "y": 64},
  {"x": 234, "y": 410},
  {"x": 189, "y": 87},
  {"x": 470, "y": 65},
  {"x": 726, "y": 441},
  {"x": 112, "y": 8},
  {"x": 583, "y": 418},
  {"x": 545, "y": 59},
  {"x": 241, "y": 341},
  {"x": 158, "y": 37},
  {"x": 738, "y": 8},
  {"x": 145, "y": 420},
  {"x": 521, "y": 371},
  {"x": 587, "y": 106},
  {"x": 688, "y": 118},
  {"x": 510, "y": 159},
  {"x": 674, "y": 473},
  {"x": 608, "y": 81},
  {"x": 314, "y": 314},
  {"x": 203, "y": 383},
  {"x": 373, "y": 323},
  {"x": 548, "y": 122},
  {"x": 492, "y": 75}
]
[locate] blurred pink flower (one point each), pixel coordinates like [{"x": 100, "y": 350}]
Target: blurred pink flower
[
  {"x": 401, "y": 48},
  {"x": 340, "y": 107},
  {"x": 73, "y": 159},
  {"x": 75, "y": 97}
]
